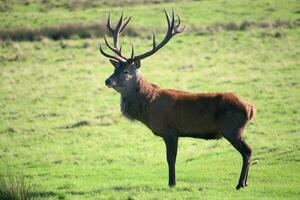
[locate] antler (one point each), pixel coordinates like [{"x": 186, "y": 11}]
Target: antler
[
  {"x": 122, "y": 23},
  {"x": 172, "y": 30}
]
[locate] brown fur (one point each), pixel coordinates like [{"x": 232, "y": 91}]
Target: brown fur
[{"x": 183, "y": 113}]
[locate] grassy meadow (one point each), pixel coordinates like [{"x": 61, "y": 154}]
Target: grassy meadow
[{"x": 61, "y": 129}]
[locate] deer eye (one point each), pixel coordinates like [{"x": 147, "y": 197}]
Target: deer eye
[{"x": 125, "y": 72}]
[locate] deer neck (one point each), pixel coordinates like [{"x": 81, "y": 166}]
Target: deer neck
[{"x": 135, "y": 102}]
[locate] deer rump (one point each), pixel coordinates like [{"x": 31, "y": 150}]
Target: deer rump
[{"x": 198, "y": 115}]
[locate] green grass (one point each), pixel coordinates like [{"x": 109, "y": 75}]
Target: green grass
[
  {"x": 61, "y": 127},
  {"x": 194, "y": 13}
]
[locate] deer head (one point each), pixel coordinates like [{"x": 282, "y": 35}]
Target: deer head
[{"x": 127, "y": 68}]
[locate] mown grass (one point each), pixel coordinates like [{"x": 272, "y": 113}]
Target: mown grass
[{"x": 62, "y": 128}]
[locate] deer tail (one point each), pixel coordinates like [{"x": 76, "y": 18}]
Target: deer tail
[{"x": 251, "y": 111}]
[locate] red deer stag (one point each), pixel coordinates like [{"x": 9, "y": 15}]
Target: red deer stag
[{"x": 172, "y": 113}]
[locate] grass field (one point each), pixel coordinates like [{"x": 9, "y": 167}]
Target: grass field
[{"x": 62, "y": 129}]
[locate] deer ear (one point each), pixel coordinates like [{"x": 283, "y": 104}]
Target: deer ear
[
  {"x": 114, "y": 63},
  {"x": 137, "y": 64}
]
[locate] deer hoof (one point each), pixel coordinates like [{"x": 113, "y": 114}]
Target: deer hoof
[{"x": 240, "y": 185}]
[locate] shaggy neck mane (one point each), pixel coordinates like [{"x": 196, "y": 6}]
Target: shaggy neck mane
[{"x": 134, "y": 103}]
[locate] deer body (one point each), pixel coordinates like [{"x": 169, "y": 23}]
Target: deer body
[
  {"x": 199, "y": 115},
  {"x": 171, "y": 114}
]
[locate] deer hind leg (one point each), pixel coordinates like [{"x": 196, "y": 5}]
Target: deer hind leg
[
  {"x": 249, "y": 161},
  {"x": 245, "y": 151}
]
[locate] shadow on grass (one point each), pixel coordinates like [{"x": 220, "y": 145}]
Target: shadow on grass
[
  {"x": 76, "y": 125},
  {"x": 148, "y": 188}
]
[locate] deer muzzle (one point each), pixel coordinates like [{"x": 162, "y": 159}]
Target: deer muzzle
[{"x": 109, "y": 83}]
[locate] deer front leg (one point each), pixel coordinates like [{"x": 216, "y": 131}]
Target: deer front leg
[{"x": 171, "y": 142}]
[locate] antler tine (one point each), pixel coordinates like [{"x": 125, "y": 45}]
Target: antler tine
[
  {"x": 173, "y": 18},
  {"x": 178, "y": 24},
  {"x": 168, "y": 18},
  {"x": 117, "y": 28},
  {"x": 132, "y": 52},
  {"x": 109, "y": 56},
  {"x": 105, "y": 40},
  {"x": 125, "y": 24},
  {"x": 121, "y": 50},
  {"x": 153, "y": 40},
  {"x": 108, "y": 25},
  {"x": 177, "y": 28}
]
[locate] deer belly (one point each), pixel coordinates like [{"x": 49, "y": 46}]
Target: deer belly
[
  {"x": 197, "y": 126},
  {"x": 203, "y": 135}
]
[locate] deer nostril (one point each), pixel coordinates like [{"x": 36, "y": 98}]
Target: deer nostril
[{"x": 107, "y": 81}]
